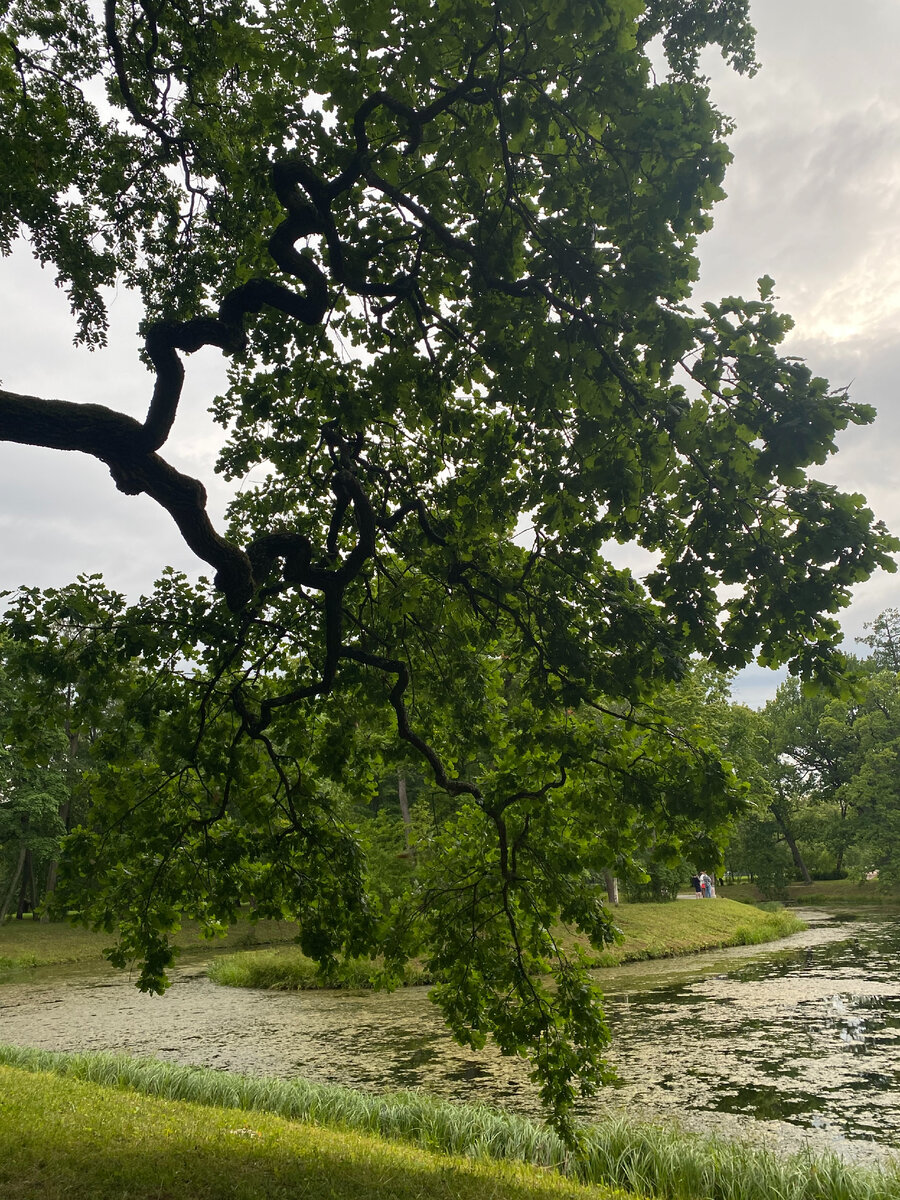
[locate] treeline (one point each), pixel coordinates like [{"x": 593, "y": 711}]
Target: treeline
[
  {"x": 99, "y": 728},
  {"x": 131, "y": 792},
  {"x": 825, "y": 791}
]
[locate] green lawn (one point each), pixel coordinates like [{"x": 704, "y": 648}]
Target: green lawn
[
  {"x": 845, "y": 893},
  {"x": 687, "y": 926},
  {"x": 62, "y": 1139},
  {"x": 30, "y": 943}
]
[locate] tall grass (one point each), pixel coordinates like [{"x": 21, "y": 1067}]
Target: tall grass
[
  {"x": 20, "y": 962},
  {"x": 287, "y": 969},
  {"x": 778, "y": 923},
  {"x": 652, "y": 1160}
]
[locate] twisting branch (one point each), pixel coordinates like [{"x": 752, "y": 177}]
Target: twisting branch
[
  {"x": 118, "y": 441},
  {"x": 394, "y": 666},
  {"x": 128, "y": 447}
]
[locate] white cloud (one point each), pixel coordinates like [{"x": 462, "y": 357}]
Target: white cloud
[{"x": 61, "y": 512}]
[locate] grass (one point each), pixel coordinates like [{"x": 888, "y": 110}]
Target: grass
[
  {"x": 688, "y": 926},
  {"x": 838, "y": 893},
  {"x": 651, "y": 931},
  {"x": 108, "y": 1126},
  {"x": 62, "y": 1138},
  {"x": 27, "y": 944},
  {"x": 287, "y": 969}
]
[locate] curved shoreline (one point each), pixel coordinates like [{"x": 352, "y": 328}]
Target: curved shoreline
[{"x": 651, "y": 931}]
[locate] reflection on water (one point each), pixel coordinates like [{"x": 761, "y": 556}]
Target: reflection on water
[{"x": 800, "y": 1043}]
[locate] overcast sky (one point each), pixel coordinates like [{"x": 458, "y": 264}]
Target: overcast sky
[{"x": 813, "y": 200}]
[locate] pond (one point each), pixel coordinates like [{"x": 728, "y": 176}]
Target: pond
[{"x": 796, "y": 1043}]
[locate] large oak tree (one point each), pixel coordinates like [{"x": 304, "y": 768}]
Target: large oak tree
[{"x": 448, "y": 247}]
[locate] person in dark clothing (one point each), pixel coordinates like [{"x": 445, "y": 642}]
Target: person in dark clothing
[{"x": 695, "y": 884}]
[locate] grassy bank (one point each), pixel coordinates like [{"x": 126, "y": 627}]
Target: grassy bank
[
  {"x": 688, "y": 926},
  {"x": 255, "y": 954},
  {"x": 650, "y": 931},
  {"x": 61, "y": 1138},
  {"x": 829, "y": 893},
  {"x": 26, "y": 944},
  {"x": 103, "y": 1126},
  {"x": 287, "y": 969}
]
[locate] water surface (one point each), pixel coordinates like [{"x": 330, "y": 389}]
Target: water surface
[
  {"x": 797, "y": 1042},
  {"x": 800, "y": 1043}
]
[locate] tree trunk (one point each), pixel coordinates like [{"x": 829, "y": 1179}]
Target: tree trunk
[
  {"x": 34, "y": 890},
  {"x": 839, "y": 861},
  {"x": 612, "y": 887},
  {"x": 13, "y": 885},
  {"x": 27, "y": 885},
  {"x": 65, "y": 809},
  {"x": 50, "y": 888},
  {"x": 53, "y": 871},
  {"x": 404, "y": 807},
  {"x": 792, "y": 845}
]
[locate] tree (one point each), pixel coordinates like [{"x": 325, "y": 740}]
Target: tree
[
  {"x": 815, "y": 744},
  {"x": 884, "y": 640},
  {"x": 32, "y": 795},
  {"x": 448, "y": 250},
  {"x": 698, "y": 710},
  {"x": 873, "y": 792},
  {"x": 829, "y": 760},
  {"x": 62, "y": 678},
  {"x": 743, "y": 738},
  {"x": 780, "y": 789}
]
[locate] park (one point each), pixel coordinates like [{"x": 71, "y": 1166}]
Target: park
[{"x": 491, "y": 510}]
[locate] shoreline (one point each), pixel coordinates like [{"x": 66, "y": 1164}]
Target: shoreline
[
  {"x": 119, "y": 1102},
  {"x": 652, "y": 931}
]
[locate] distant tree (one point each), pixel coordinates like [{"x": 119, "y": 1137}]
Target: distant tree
[
  {"x": 815, "y": 742},
  {"x": 884, "y": 640},
  {"x": 831, "y": 768},
  {"x": 757, "y": 850},
  {"x": 873, "y": 793},
  {"x": 33, "y": 794}
]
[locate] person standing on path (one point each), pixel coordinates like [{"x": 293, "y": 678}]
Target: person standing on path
[
  {"x": 705, "y": 885},
  {"x": 695, "y": 884}
]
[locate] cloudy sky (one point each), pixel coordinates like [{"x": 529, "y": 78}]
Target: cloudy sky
[{"x": 814, "y": 201}]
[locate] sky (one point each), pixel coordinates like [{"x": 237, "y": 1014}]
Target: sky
[{"x": 813, "y": 201}]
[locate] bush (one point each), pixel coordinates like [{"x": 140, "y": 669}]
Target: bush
[{"x": 660, "y": 883}]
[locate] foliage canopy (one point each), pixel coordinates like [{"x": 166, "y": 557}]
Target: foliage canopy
[{"x": 447, "y": 246}]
